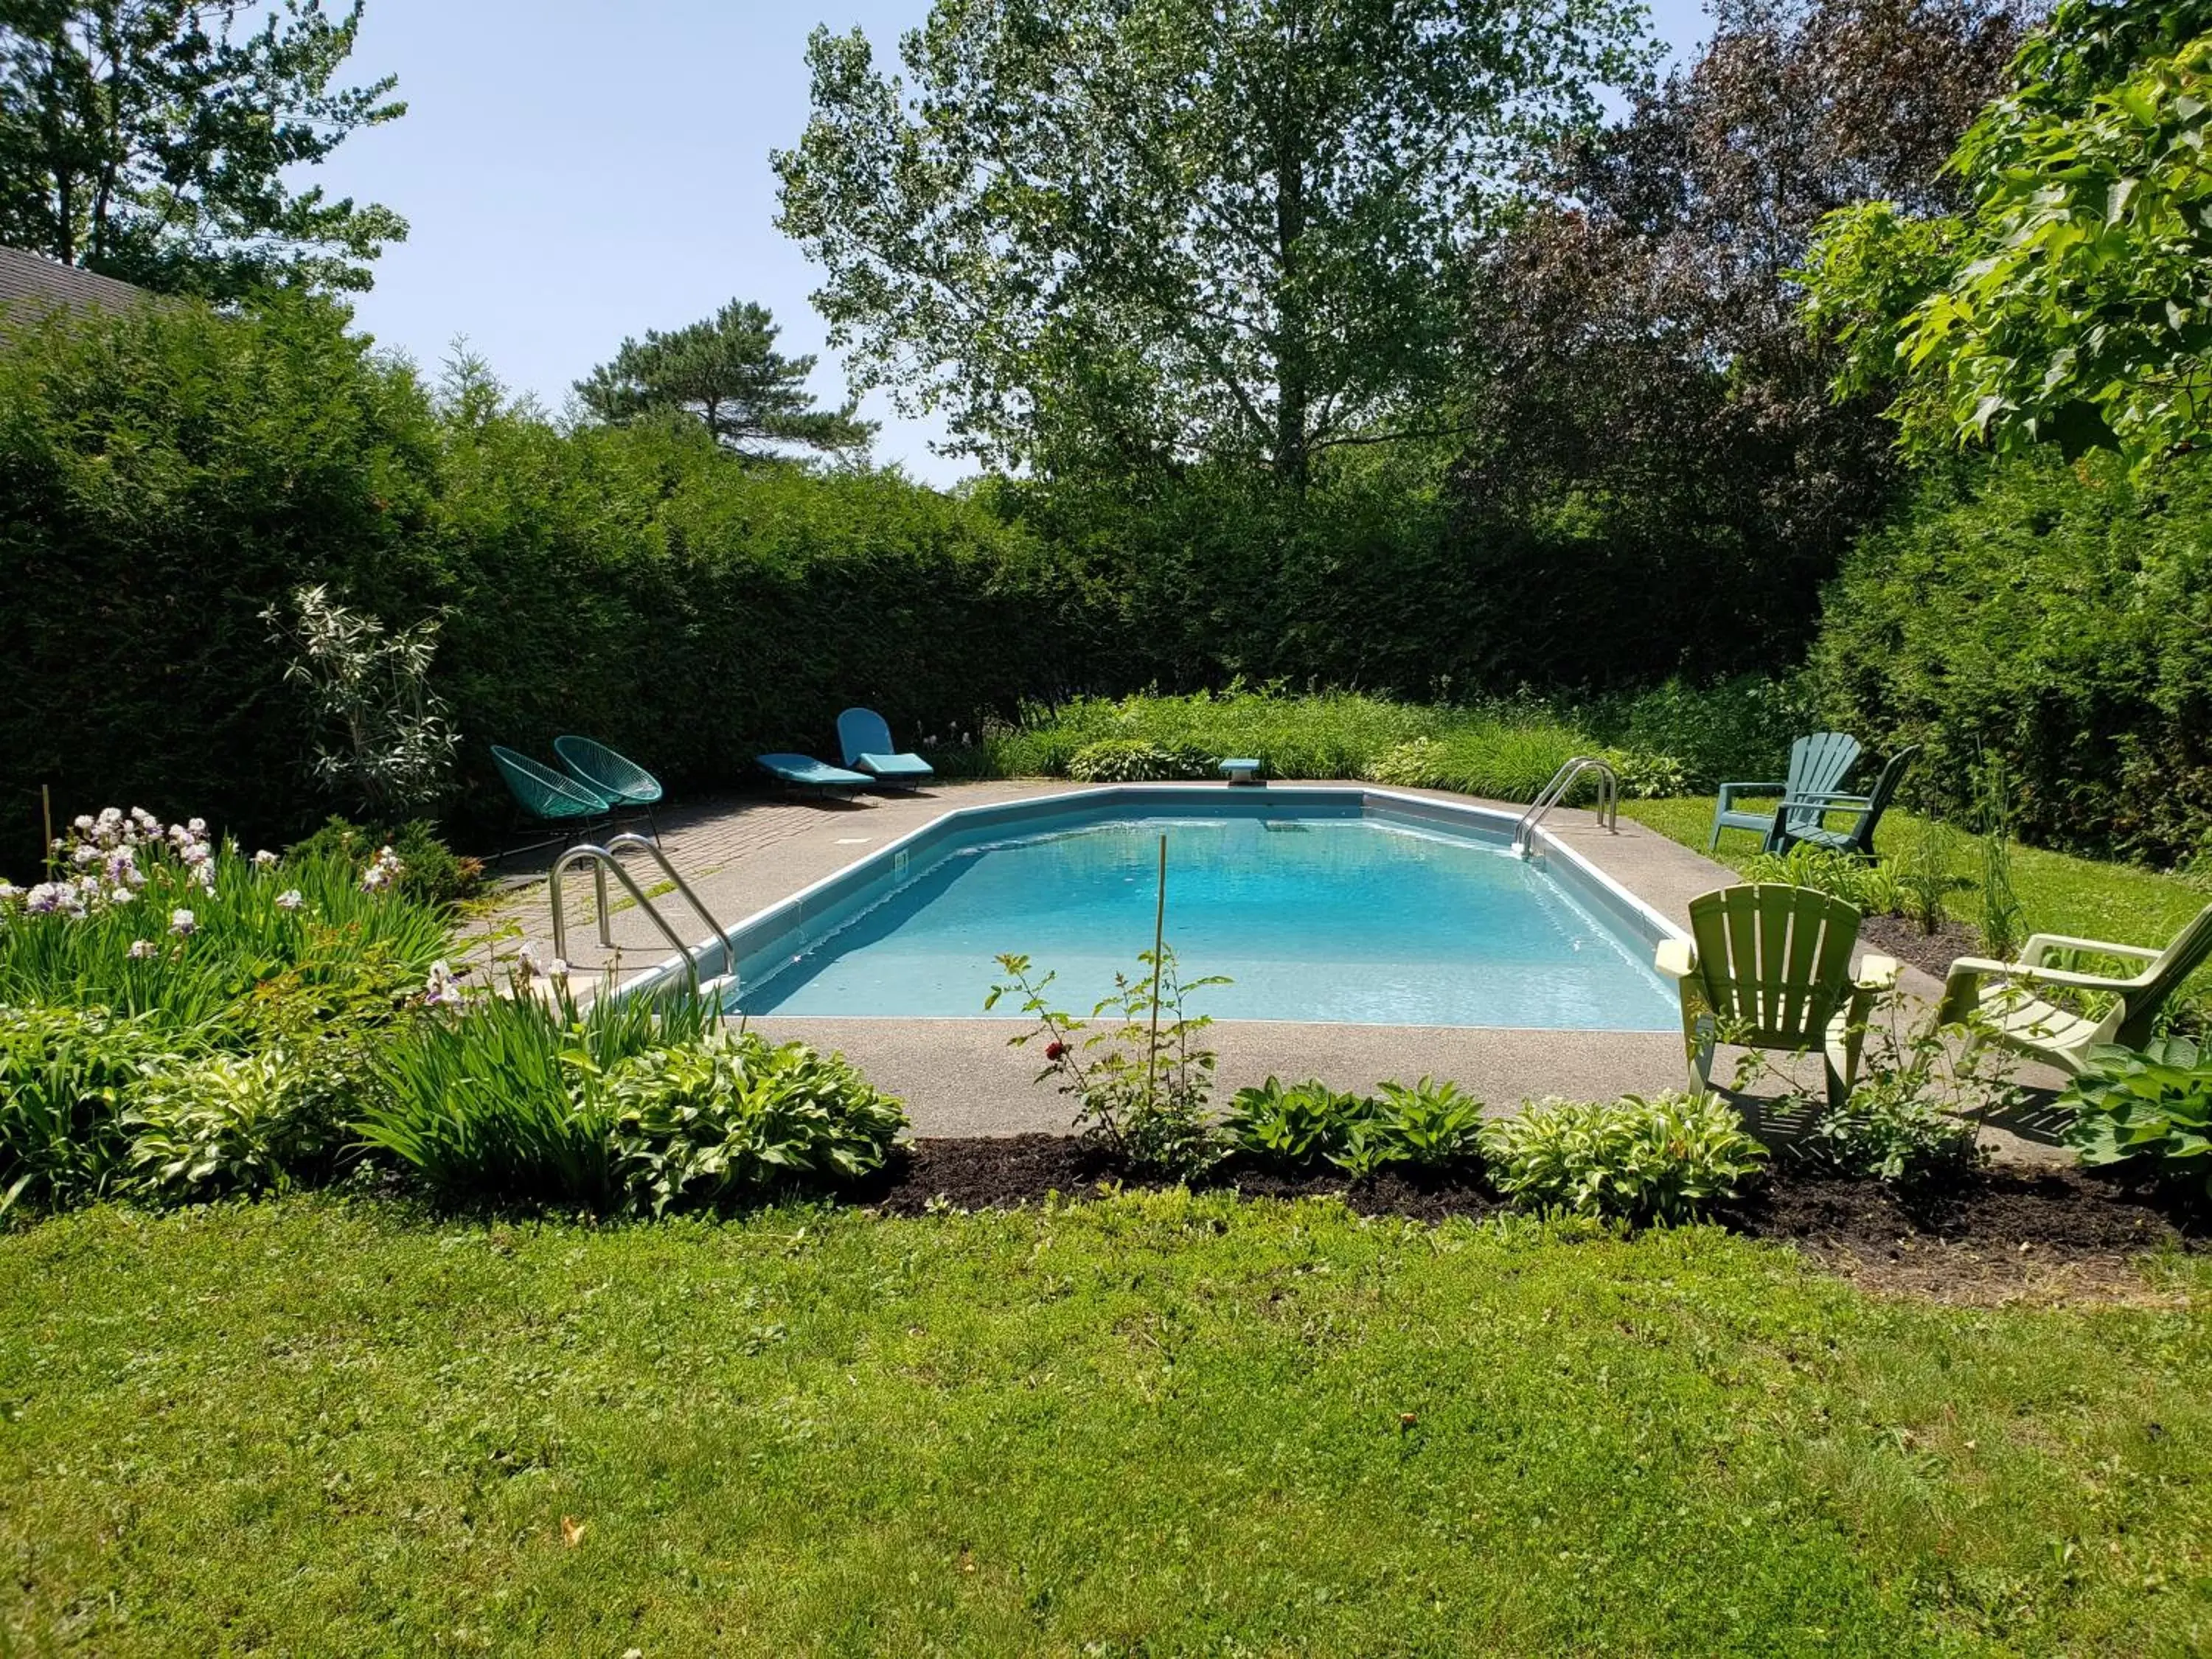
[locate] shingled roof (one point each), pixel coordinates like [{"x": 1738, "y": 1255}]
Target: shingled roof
[{"x": 31, "y": 282}]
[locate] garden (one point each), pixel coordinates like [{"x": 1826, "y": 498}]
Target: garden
[{"x": 362, "y": 1290}]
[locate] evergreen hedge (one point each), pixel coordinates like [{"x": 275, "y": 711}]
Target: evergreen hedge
[
  {"x": 2056, "y": 614},
  {"x": 167, "y": 475}
]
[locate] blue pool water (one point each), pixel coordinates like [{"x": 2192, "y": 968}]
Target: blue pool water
[{"x": 1328, "y": 919}]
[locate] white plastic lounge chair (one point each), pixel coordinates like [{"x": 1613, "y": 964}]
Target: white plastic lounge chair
[{"x": 2010, "y": 1014}]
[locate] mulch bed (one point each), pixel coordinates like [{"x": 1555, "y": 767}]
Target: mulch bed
[
  {"x": 1933, "y": 953},
  {"x": 2005, "y": 1234}
]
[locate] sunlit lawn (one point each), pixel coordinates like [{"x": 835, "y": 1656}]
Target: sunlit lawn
[{"x": 1154, "y": 1425}]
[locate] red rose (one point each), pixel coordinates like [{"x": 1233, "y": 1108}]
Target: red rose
[{"x": 1054, "y": 1049}]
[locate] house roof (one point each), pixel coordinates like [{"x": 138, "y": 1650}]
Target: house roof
[{"x": 47, "y": 284}]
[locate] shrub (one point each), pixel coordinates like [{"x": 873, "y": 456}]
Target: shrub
[
  {"x": 386, "y": 738},
  {"x": 1663, "y": 1159},
  {"x": 1892, "y": 1136},
  {"x": 732, "y": 1116},
  {"x": 504, "y": 1098},
  {"x": 169, "y": 475},
  {"x": 1294, "y": 1126},
  {"x": 2152, "y": 1105},
  {"x": 431, "y": 871},
  {"x": 2055, "y": 615},
  {"x": 64, "y": 1076},
  {"x": 220, "y": 1123},
  {"x": 1874, "y": 890},
  {"x": 1732, "y": 729},
  {"x": 1136, "y": 760},
  {"x": 1141, "y": 1080},
  {"x": 1329, "y": 735}
]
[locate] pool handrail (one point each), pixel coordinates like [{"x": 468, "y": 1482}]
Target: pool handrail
[
  {"x": 603, "y": 858},
  {"x": 1608, "y": 800}
]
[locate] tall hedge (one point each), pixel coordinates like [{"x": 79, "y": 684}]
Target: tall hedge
[
  {"x": 167, "y": 475},
  {"x": 2056, "y": 615}
]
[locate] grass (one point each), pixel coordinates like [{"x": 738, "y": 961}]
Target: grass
[{"x": 1156, "y": 1424}]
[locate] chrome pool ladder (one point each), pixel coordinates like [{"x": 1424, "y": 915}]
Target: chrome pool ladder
[
  {"x": 602, "y": 859},
  {"x": 1608, "y": 800}
]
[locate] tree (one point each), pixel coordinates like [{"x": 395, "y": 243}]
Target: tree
[
  {"x": 1155, "y": 230},
  {"x": 1640, "y": 386},
  {"x": 728, "y": 373},
  {"x": 2071, "y": 302},
  {"x": 148, "y": 140}
]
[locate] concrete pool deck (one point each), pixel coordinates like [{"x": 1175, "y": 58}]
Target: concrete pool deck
[{"x": 958, "y": 1077}]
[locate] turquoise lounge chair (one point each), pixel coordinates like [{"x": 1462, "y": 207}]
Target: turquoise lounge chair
[
  {"x": 620, "y": 779},
  {"x": 805, "y": 772},
  {"x": 1804, "y": 818},
  {"x": 547, "y": 796},
  {"x": 1818, "y": 764},
  {"x": 866, "y": 741}
]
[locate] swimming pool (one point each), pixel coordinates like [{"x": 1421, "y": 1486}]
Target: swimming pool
[{"x": 1331, "y": 906}]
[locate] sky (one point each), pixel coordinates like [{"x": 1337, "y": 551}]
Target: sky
[{"x": 575, "y": 174}]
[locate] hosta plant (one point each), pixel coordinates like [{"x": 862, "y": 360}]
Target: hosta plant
[
  {"x": 2154, "y": 1104},
  {"x": 1293, "y": 1126},
  {"x": 732, "y": 1116},
  {"x": 1430, "y": 1124},
  {"x": 218, "y": 1124},
  {"x": 65, "y": 1074},
  {"x": 1136, "y": 760},
  {"x": 1666, "y": 1159}
]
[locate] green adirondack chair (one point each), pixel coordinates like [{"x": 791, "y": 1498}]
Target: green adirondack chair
[
  {"x": 2011, "y": 1015},
  {"x": 1804, "y": 818},
  {"x": 1769, "y": 967},
  {"x": 1817, "y": 763}
]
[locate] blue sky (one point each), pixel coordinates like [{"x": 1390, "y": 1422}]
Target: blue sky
[{"x": 575, "y": 172}]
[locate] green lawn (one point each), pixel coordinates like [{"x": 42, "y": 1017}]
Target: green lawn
[{"x": 1154, "y": 1425}]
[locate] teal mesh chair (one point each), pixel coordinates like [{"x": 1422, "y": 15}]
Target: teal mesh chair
[
  {"x": 545, "y": 795},
  {"x": 620, "y": 779}
]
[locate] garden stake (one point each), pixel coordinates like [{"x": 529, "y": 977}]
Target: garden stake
[
  {"x": 1159, "y": 932},
  {"x": 46, "y": 814}
]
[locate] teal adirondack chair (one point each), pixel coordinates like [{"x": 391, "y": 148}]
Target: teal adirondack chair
[
  {"x": 1769, "y": 966},
  {"x": 2010, "y": 1014},
  {"x": 1817, "y": 763},
  {"x": 1804, "y": 818}
]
